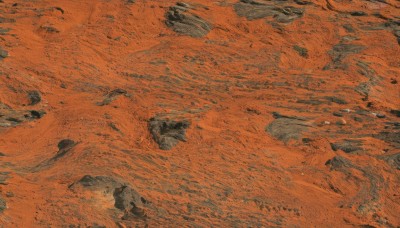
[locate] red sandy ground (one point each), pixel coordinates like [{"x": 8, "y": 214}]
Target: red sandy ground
[{"x": 230, "y": 172}]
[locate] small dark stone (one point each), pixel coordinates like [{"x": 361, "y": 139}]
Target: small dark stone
[
  {"x": 358, "y": 13},
  {"x": 337, "y": 114},
  {"x": 3, "y": 54},
  {"x": 358, "y": 119},
  {"x": 395, "y": 112},
  {"x": 336, "y": 100},
  {"x": 2, "y": 154},
  {"x": 37, "y": 114},
  {"x": 380, "y": 115},
  {"x": 303, "y": 52},
  {"x": 34, "y": 97}
]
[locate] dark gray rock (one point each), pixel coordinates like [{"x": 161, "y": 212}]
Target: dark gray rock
[
  {"x": 64, "y": 146},
  {"x": 33, "y": 114},
  {"x": 167, "y": 133},
  {"x": 179, "y": 19},
  {"x": 348, "y": 145},
  {"x": 358, "y": 13},
  {"x": 126, "y": 198},
  {"x": 277, "y": 10}
]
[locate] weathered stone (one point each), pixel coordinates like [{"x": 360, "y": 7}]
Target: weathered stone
[
  {"x": 167, "y": 133},
  {"x": 187, "y": 23}
]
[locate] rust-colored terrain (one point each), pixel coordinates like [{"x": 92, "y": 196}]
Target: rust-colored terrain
[{"x": 205, "y": 113}]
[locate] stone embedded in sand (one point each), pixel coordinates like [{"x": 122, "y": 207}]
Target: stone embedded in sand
[
  {"x": 339, "y": 163},
  {"x": 303, "y": 52},
  {"x": 3, "y": 205},
  {"x": 347, "y": 145},
  {"x": 33, "y": 114},
  {"x": 340, "y": 51},
  {"x": 279, "y": 11},
  {"x": 34, "y": 97},
  {"x": 64, "y": 146},
  {"x": 393, "y": 160},
  {"x": 167, "y": 133},
  {"x": 111, "y": 96},
  {"x": 181, "y": 21},
  {"x": 3, "y": 54},
  {"x": 129, "y": 200},
  {"x": 287, "y": 128}
]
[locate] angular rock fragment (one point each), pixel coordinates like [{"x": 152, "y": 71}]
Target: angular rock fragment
[
  {"x": 167, "y": 133},
  {"x": 181, "y": 21},
  {"x": 278, "y": 10},
  {"x": 287, "y": 128}
]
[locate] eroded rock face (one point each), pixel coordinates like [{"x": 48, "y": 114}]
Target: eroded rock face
[
  {"x": 278, "y": 11},
  {"x": 126, "y": 198},
  {"x": 181, "y": 20},
  {"x": 167, "y": 133}
]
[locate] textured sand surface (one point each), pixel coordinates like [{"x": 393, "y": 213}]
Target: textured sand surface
[{"x": 224, "y": 113}]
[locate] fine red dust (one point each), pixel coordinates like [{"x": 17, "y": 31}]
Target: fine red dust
[{"x": 293, "y": 110}]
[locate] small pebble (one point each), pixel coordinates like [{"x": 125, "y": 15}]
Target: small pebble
[{"x": 380, "y": 115}]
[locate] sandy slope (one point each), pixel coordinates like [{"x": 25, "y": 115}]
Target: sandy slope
[{"x": 241, "y": 165}]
